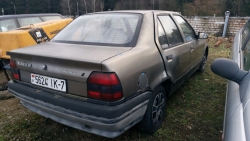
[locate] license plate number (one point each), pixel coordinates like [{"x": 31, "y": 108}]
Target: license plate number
[{"x": 48, "y": 82}]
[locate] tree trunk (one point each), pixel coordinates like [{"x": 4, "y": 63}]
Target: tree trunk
[
  {"x": 85, "y": 6},
  {"x": 101, "y": 5},
  {"x": 93, "y": 5},
  {"x": 69, "y": 7}
]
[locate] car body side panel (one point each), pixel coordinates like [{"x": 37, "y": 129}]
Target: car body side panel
[
  {"x": 237, "y": 97},
  {"x": 198, "y": 52},
  {"x": 235, "y": 126},
  {"x": 246, "y": 116},
  {"x": 245, "y": 96},
  {"x": 232, "y": 99},
  {"x": 144, "y": 57},
  {"x": 179, "y": 65}
]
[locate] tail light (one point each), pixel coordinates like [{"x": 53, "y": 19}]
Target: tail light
[
  {"x": 104, "y": 86},
  {"x": 14, "y": 70}
]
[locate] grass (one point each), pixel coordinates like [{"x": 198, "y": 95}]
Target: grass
[{"x": 194, "y": 112}]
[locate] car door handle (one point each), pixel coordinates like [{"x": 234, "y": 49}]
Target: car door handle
[
  {"x": 169, "y": 58},
  {"x": 192, "y": 49}
]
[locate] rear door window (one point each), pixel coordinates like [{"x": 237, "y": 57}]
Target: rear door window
[
  {"x": 102, "y": 29},
  {"x": 186, "y": 28},
  {"x": 171, "y": 30},
  {"x": 7, "y": 25},
  {"x": 28, "y": 21},
  {"x": 246, "y": 56},
  {"x": 246, "y": 46},
  {"x": 162, "y": 36},
  {"x": 245, "y": 34}
]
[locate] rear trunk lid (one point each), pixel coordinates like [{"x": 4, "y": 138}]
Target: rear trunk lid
[
  {"x": 70, "y": 62},
  {"x": 67, "y": 61}
]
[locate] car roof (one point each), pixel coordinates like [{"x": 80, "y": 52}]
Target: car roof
[
  {"x": 28, "y": 15},
  {"x": 136, "y": 11}
]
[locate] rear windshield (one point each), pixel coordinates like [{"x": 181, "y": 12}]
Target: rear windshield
[{"x": 102, "y": 29}]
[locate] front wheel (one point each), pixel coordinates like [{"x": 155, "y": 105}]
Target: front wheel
[{"x": 155, "y": 112}]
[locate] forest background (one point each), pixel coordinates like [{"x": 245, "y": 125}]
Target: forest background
[{"x": 79, "y": 7}]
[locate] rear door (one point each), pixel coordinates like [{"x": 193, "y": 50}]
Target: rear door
[
  {"x": 175, "y": 53},
  {"x": 195, "y": 45}
]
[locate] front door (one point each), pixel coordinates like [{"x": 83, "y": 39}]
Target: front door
[{"x": 195, "y": 45}]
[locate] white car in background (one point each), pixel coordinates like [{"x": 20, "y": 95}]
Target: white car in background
[{"x": 237, "y": 106}]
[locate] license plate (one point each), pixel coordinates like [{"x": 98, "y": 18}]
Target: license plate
[{"x": 48, "y": 82}]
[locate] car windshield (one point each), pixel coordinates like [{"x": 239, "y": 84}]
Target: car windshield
[{"x": 102, "y": 29}]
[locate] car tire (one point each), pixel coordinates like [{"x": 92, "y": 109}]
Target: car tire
[
  {"x": 155, "y": 112},
  {"x": 203, "y": 64}
]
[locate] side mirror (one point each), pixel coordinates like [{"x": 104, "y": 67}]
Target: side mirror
[
  {"x": 202, "y": 35},
  {"x": 228, "y": 69}
]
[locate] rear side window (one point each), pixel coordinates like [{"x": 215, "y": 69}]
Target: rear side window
[
  {"x": 245, "y": 34},
  {"x": 186, "y": 28},
  {"x": 246, "y": 56},
  {"x": 29, "y": 20},
  {"x": 246, "y": 46},
  {"x": 171, "y": 30},
  {"x": 48, "y": 18},
  {"x": 7, "y": 25},
  {"x": 102, "y": 29}
]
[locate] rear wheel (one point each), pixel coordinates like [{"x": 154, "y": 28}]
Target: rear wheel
[
  {"x": 203, "y": 64},
  {"x": 155, "y": 112}
]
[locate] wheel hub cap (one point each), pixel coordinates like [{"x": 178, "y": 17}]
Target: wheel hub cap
[{"x": 157, "y": 113}]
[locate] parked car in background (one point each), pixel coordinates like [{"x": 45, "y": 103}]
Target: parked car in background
[
  {"x": 237, "y": 107},
  {"x": 17, "y": 31},
  {"x": 107, "y": 71},
  {"x": 11, "y": 22}
]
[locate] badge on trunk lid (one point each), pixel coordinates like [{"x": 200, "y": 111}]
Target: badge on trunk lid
[{"x": 24, "y": 64}]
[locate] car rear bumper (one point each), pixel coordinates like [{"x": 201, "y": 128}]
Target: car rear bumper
[{"x": 101, "y": 124}]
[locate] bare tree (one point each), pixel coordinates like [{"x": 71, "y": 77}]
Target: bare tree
[
  {"x": 69, "y": 6},
  {"x": 201, "y": 7},
  {"x": 101, "y": 4},
  {"x": 93, "y": 5},
  {"x": 153, "y": 4},
  {"x": 85, "y": 6}
]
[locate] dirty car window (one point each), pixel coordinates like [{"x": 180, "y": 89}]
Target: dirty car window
[
  {"x": 29, "y": 20},
  {"x": 187, "y": 30},
  {"x": 171, "y": 30},
  {"x": 101, "y": 29},
  {"x": 48, "y": 18},
  {"x": 7, "y": 25}
]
